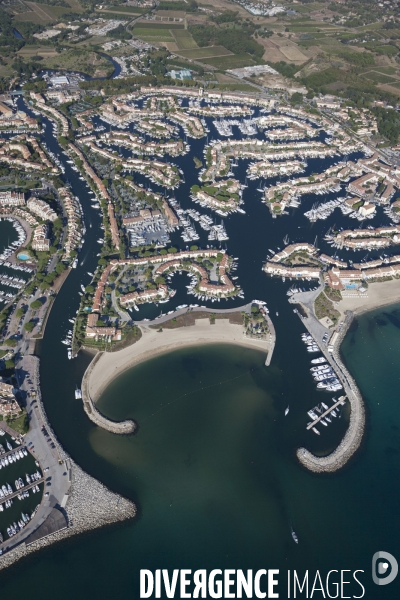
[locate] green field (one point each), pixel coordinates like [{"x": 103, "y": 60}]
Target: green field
[
  {"x": 379, "y": 77},
  {"x": 154, "y": 25},
  {"x": 128, "y": 10},
  {"x": 183, "y": 39},
  {"x": 154, "y": 34},
  {"x": 234, "y": 61},
  {"x": 205, "y": 52}
]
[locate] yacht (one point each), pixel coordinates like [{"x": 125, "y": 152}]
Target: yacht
[{"x": 317, "y": 361}]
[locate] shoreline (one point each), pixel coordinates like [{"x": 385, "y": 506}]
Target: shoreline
[
  {"x": 87, "y": 504},
  {"x": 106, "y": 366},
  {"x": 380, "y": 294}
]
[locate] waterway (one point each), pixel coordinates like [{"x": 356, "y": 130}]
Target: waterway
[{"x": 213, "y": 471}]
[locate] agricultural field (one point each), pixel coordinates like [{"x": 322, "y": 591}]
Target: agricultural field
[
  {"x": 42, "y": 14},
  {"x": 233, "y": 61},
  {"x": 157, "y": 25},
  {"x": 206, "y": 52},
  {"x": 121, "y": 10},
  {"x": 380, "y": 77},
  {"x": 32, "y": 51},
  {"x": 183, "y": 39},
  {"x": 153, "y": 34}
]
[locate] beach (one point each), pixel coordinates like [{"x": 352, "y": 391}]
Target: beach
[
  {"x": 379, "y": 294},
  {"x": 153, "y": 343}
]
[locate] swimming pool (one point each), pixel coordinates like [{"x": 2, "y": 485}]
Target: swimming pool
[{"x": 23, "y": 256}]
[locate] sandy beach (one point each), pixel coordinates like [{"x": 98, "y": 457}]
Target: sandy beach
[
  {"x": 153, "y": 343},
  {"x": 379, "y": 294}
]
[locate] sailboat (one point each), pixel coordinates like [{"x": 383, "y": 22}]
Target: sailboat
[{"x": 286, "y": 411}]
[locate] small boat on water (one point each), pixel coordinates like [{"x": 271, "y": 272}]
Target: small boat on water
[
  {"x": 286, "y": 411},
  {"x": 294, "y": 536},
  {"x": 78, "y": 394}
]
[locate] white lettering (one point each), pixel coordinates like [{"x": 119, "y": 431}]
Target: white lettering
[
  {"x": 184, "y": 583},
  {"x": 257, "y": 578},
  {"x": 244, "y": 584},
  {"x": 146, "y": 583},
  {"x": 335, "y": 585},
  {"x": 359, "y": 583},
  {"x": 200, "y": 581},
  {"x": 317, "y": 589},
  {"x": 215, "y": 588},
  {"x": 170, "y": 588},
  {"x": 228, "y": 583},
  {"x": 343, "y": 582},
  {"x": 158, "y": 583},
  {"x": 305, "y": 584},
  {"x": 272, "y": 582}
]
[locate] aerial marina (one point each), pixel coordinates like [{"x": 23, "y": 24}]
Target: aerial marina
[{"x": 165, "y": 233}]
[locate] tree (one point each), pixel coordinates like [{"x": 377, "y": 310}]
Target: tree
[
  {"x": 36, "y": 304},
  {"x": 89, "y": 289},
  {"x": 29, "y": 326},
  {"x": 20, "y": 312},
  {"x": 44, "y": 286},
  {"x": 11, "y": 342},
  {"x": 60, "y": 268},
  {"x": 296, "y": 98},
  {"x": 9, "y": 364}
]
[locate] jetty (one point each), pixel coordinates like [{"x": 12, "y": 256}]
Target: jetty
[
  {"x": 341, "y": 401},
  {"x": 355, "y": 431}
]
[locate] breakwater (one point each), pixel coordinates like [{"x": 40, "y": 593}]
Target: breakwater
[
  {"x": 355, "y": 431},
  {"x": 79, "y": 502},
  {"x": 123, "y": 427}
]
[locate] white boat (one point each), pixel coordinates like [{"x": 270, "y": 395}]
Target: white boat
[
  {"x": 287, "y": 411},
  {"x": 294, "y": 536},
  {"x": 317, "y": 361},
  {"x": 78, "y": 394}
]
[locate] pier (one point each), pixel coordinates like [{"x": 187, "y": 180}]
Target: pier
[
  {"x": 341, "y": 401},
  {"x": 354, "y": 434},
  {"x": 23, "y": 489},
  {"x": 10, "y": 451},
  {"x": 123, "y": 427}
]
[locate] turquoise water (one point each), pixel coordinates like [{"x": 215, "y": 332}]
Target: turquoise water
[{"x": 22, "y": 256}]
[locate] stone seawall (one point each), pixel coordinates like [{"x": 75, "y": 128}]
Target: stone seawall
[
  {"x": 354, "y": 434},
  {"x": 123, "y": 427},
  {"x": 88, "y": 504}
]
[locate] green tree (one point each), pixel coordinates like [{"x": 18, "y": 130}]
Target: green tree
[
  {"x": 36, "y": 304},
  {"x": 29, "y": 326},
  {"x": 11, "y": 342}
]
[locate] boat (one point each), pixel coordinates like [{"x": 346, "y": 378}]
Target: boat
[
  {"x": 294, "y": 536},
  {"x": 78, "y": 394},
  {"x": 317, "y": 361},
  {"x": 287, "y": 411},
  {"x": 315, "y": 430}
]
